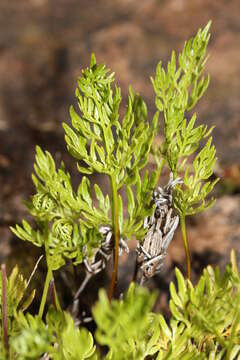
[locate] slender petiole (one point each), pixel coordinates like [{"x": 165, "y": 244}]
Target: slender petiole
[
  {"x": 45, "y": 292},
  {"x": 186, "y": 245},
  {"x": 54, "y": 296}
]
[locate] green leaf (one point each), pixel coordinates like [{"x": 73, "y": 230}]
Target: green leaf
[
  {"x": 178, "y": 89},
  {"x": 99, "y": 196},
  {"x": 130, "y": 315},
  {"x": 76, "y": 343},
  {"x": 131, "y": 202},
  {"x": 34, "y": 338}
]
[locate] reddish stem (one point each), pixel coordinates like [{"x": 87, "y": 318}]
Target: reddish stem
[{"x": 52, "y": 292}]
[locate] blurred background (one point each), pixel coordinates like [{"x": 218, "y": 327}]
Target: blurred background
[{"x": 44, "y": 44}]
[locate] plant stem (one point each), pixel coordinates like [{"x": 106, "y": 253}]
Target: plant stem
[
  {"x": 115, "y": 225},
  {"x": 54, "y": 296},
  {"x": 45, "y": 292},
  {"x": 49, "y": 277},
  {"x": 186, "y": 245},
  {"x": 52, "y": 292},
  {"x": 4, "y": 307}
]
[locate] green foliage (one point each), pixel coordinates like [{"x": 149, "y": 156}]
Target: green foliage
[
  {"x": 58, "y": 211},
  {"x": 16, "y": 288},
  {"x": 205, "y": 324},
  {"x": 193, "y": 199},
  {"x": 125, "y": 325},
  {"x": 76, "y": 344},
  {"x": 178, "y": 89},
  {"x": 33, "y": 339},
  {"x": 139, "y": 207},
  {"x": 99, "y": 122},
  {"x": 67, "y": 221},
  {"x": 205, "y": 321},
  {"x": 58, "y": 338},
  {"x": 93, "y": 141},
  {"x": 209, "y": 312},
  {"x": 16, "y": 297}
]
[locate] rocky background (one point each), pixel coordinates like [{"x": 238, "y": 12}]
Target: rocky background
[{"x": 43, "y": 47}]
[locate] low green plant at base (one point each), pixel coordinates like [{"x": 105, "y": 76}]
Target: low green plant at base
[{"x": 74, "y": 229}]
